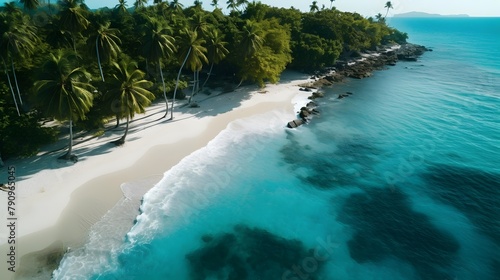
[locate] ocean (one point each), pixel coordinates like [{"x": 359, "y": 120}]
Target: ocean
[{"x": 400, "y": 180}]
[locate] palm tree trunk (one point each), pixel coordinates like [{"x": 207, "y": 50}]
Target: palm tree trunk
[
  {"x": 208, "y": 75},
  {"x": 177, "y": 83},
  {"x": 121, "y": 141},
  {"x": 15, "y": 81},
  {"x": 197, "y": 82},
  {"x": 11, "y": 88},
  {"x": 1, "y": 161},
  {"x": 241, "y": 81},
  {"x": 117, "y": 120},
  {"x": 70, "y": 148},
  {"x": 98, "y": 58},
  {"x": 193, "y": 91},
  {"x": 164, "y": 89}
]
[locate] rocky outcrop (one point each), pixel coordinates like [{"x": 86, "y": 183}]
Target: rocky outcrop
[
  {"x": 363, "y": 66},
  {"x": 358, "y": 68},
  {"x": 410, "y": 52},
  {"x": 305, "y": 114}
]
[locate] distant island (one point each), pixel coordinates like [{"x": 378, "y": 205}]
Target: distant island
[{"x": 422, "y": 14}]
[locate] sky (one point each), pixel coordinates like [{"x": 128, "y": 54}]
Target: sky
[{"x": 364, "y": 7}]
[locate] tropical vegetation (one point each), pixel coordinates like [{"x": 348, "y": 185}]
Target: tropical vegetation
[{"x": 83, "y": 67}]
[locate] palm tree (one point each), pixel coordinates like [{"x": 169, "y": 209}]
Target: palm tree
[
  {"x": 215, "y": 3},
  {"x": 216, "y": 50},
  {"x": 232, "y": 5},
  {"x": 314, "y": 7},
  {"x": 199, "y": 23},
  {"x": 251, "y": 41},
  {"x": 193, "y": 54},
  {"x": 241, "y": 3},
  {"x": 157, "y": 44},
  {"x": 6, "y": 71},
  {"x": 30, "y": 4},
  {"x": 17, "y": 41},
  {"x": 388, "y": 5},
  {"x": 139, "y": 4},
  {"x": 107, "y": 40},
  {"x": 64, "y": 91},
  {"x": 11, "y": 9},
  {"x": 380, "y": 17},
  {"x": 131, "y": 89},
  {"x": 197, "y": 3},
  {"x": 176, "y": 6},
  {"x": 331, "y": 3},
  {"x": 72, "y": 18},
  {"x": 121, "y": 7}
]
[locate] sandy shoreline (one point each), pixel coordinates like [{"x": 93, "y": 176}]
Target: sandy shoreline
[{"x": 58, "y": 203}]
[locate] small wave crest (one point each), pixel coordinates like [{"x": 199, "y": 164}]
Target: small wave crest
[
  {"x": 171, "y": 203},
  {"x": 106, "y": 236}
]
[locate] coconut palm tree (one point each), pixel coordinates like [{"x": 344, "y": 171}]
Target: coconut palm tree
[
  {"x": 198, "y": 23},
  {"x": 64, "y": 91},
  {"x": 215, "y": 3},
  {"x": 379, "y": 17},
  {"x": 107, "y": 41},
  {"x": 314, "y": 7},
  {"x": 241, "y": 3},
  {"x": 139, "y": 4},
  {"x": 131, "y": 89},
  {"x": 176, "y": 6},
  {"x": 197, "y": 4},
  {"x": 388, "y": 5},
  {"x": 10, "y": 8},
  {"x": 17, "y": 41},
  {"x": 232, "y": 5},
  {"x": 251, "y": 38},
  {"x": 121, "y": 7},
  {"x": 6, "y": 71},
  {"x": 331, "y": 3},
  {"x": 192, "y": 54},
  {"x": 216, "y": 50},
  {"x": 157, "y": 44},
  {"x": 72, "y": 18}
]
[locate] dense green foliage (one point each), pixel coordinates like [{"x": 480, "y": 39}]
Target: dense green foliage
[{"x": 56, "y": 59}]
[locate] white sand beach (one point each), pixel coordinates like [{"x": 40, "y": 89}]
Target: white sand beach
[{"x": 57, "y": 203}]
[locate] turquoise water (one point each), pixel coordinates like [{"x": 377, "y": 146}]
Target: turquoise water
[{"x": 401, "y": 180}]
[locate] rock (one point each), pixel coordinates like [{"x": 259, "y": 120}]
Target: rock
[
  {"x": 311, "y": 105},
  {"x": 194, "y": 105},
  {"x": 410, "y": 52},
  {"x": 304, "y": 113},
  {"x": 295, "y": 123},
  {"x": 318, "y": 94}
]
